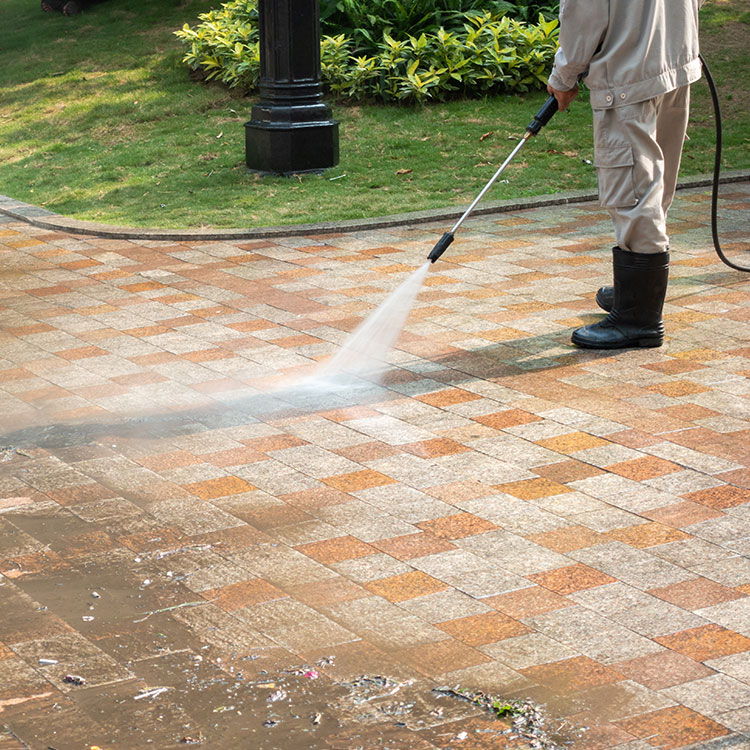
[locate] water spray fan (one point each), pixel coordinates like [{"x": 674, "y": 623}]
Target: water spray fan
[{"x": 541, "y": 118}]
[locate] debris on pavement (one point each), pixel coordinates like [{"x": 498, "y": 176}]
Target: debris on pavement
[
  {"x": 152, "y": 693},
  {"x": 308, "y": 672},
  {"x": 527, "y": 719},
  {"x": 170, "y": 609},
  {"x": 8, "y": 451},
  {"x": 161, "y": 554}
]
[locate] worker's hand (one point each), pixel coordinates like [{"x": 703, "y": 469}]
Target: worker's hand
[{"x": 564, "y": 98}]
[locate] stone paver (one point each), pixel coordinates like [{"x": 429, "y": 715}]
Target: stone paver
[{"x": 503, "y": 512}]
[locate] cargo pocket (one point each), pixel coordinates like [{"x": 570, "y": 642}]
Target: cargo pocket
[{"x": 614, "y": 168}]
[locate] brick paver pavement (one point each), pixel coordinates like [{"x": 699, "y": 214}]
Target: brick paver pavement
[{"x": 504, "y": 512}]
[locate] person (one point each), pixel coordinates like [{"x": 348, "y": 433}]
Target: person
[{"x": 638, "y": 59}]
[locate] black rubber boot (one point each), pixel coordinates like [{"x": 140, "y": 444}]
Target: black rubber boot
[
  {"x": 605, "y": 296},
  {"x": 639, "y": 291}
]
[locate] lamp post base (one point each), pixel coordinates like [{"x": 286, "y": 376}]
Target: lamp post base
[
  {"x": 291, "y": 129},
  {"x": 285, "y": 147}
]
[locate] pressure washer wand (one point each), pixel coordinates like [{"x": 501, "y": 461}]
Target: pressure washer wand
[{"x": 541, "y": 118}]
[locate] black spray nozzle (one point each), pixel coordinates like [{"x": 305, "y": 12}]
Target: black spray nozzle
[
  {"x": 543, "y": 116},
  {"x": 440, "y": 247}
]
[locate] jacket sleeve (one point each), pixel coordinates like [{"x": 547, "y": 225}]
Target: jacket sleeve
[{"x": 583, "y": 24}]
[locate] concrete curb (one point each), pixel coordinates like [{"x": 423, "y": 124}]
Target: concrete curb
[{"x": 40, "y": 217}]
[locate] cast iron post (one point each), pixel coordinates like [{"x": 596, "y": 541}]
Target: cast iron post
[{"x": 291, "y": 129}]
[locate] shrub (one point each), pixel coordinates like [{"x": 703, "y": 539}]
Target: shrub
[
  {"x": 528, "y": 10},
  {"x": 367, "y": 21},
  {"x": 488, "y": 53},
  {"x": 225, "y": 45}
]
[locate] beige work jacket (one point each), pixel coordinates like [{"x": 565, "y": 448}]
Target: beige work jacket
[{"x": 627, "y": 51}]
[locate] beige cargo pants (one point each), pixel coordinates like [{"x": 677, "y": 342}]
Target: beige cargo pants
[{"x": 637, "y": 151}]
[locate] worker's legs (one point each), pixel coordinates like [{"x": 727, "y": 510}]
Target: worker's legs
[
  {"x": 637, "y": 155},
  {"x": 638, "y": 148},
  {"x": 630, "y": 167},
  {"x": 671, "y": 124},
  {"x": 671, "y": 127}
]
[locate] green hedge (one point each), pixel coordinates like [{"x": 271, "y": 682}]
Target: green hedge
[
  {"x": 367, "y": 21},
  {"x": 488, "y": 53}
]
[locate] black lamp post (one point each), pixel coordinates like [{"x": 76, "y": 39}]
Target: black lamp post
[{"x": 291, "y": 129}]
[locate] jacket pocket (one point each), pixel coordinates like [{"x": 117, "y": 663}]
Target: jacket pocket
[{"x": 614, "y": 168}]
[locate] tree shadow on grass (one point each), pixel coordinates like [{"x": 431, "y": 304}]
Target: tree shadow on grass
[{"x": 50, "y": 42}]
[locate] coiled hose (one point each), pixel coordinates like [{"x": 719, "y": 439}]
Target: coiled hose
[{"x": 717, "y": 173}]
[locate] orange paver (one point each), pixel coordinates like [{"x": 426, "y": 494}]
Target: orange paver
[
  {"x": 243, "y": 594},
  {"x": 571, "y": 675},
  {"x": 706, "y": 642},
  {"x": 335, "y": 550},
  {"x": 457, "y": 527},
  {"x": 219, "y": 487},
  {"x": 358, "y": 480},
  {"x": 406, "y": 586},
  {"x": 478, "y": 630},
  {"x": 673, "y": 728},
  {"x": 533, "y": 489},
  {"x": 571, "y": 578},
  {"x": 572, "y": 442},
  {"x": 647, "y": 535}
]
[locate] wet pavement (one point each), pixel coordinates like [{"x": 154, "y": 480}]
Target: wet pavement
[{"x": 191, "y": 556}]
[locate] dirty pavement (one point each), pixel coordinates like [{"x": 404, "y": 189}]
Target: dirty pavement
[{"x": 506, "y": 543}]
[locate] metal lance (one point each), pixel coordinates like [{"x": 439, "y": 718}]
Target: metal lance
[{"x": 541, "y": 118}]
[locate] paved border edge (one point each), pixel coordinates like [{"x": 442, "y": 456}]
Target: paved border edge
[{"x": 40, "y": 217}]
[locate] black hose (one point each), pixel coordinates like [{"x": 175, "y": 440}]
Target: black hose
[{"x": 717, "y": 173}]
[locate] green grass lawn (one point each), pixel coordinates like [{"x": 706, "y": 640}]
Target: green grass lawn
[{"x": 100, "y": 120}]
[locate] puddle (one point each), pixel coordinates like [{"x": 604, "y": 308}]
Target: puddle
[
  {"x": 154, "y": 667},
  {"x": 180, "y": 702},
  {"x": 192, "y": 697}
]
